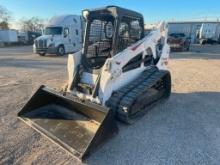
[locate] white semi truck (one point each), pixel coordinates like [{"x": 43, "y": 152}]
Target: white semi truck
[
  {"x": 209, "y": 33},
  {"x": 62, "y": 35}
]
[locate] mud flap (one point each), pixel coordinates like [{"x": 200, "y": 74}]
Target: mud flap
[{"x": 75, "y": 125}]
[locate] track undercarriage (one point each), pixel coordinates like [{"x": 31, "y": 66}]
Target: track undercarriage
[{"x": 135, "y": 98}]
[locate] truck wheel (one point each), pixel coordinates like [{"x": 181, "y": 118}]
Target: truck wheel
[
  {"x": 204, "y": 42},
  {"x": 60, "y": 50},
  {"x": 42, "y": 54},
  {"x": 187, "y": 47}
]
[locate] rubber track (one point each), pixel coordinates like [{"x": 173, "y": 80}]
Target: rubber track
[
  {"x": 117, "y": 96},
  {"x": 125, "y": 97}
]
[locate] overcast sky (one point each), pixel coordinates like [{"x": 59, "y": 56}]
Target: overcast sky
[{"x": 153, "y": 10}]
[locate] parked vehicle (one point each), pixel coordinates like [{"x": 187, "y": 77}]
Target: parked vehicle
[
  {"x": 62, "y": 35},
  {"x": 27, "y": 37},
  {"x": 9, "y": 36},
  {"x": 209, "y": 33},
  {"x": 179, "y": 42}
]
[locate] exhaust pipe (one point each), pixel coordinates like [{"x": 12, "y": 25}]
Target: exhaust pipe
[{"x": 77, "y": 126}]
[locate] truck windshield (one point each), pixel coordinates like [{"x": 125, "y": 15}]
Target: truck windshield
[{"x": 53, "y": 30}]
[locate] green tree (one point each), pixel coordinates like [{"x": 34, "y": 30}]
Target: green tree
[
  {"x": 34, "y": 24},
  {"x": 5, "y": 17}
]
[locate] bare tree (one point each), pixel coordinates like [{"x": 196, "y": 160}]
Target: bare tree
[
  {"x": 5, "y": 17},
  {"x": 34, "y": 24}
]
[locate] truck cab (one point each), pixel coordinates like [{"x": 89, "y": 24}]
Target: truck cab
[
  {"x": 62, "y": 35},
  {"x": 209, "y": 33}
]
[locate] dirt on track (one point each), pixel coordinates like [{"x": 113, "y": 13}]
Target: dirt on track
[{"x": 183, "y": 130}]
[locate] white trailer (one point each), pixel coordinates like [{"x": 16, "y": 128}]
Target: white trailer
[
  {"x": 62, "y": 35},
  {"x": 209, "y": 33},
  {"x": 9, "y": 36}
]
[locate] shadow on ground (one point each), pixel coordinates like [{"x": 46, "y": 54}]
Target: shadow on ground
[
  {"x": 199, "y": 52},
  {"x": 183, "y": 130},
  {"x": 29, "y": 63},
  {"x": 195, "y": 55}
]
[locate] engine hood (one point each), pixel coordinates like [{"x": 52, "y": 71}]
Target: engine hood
[{"x": 49, "y": 37}]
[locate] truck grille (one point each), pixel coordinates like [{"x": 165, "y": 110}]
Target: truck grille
[{"x": 41, "y": 44}]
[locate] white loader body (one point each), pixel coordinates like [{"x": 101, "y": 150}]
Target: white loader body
[{"x": 112, "y": 77}]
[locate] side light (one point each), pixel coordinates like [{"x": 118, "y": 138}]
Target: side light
[{"x": 85, "y": 13}]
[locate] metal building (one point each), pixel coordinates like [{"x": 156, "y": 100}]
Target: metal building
[{"x": 189, "y": 28}]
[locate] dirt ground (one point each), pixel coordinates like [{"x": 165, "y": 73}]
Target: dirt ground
[{"x": 183, "y": 130}]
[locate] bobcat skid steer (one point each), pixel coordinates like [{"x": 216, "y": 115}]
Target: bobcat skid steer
[{"x": 119, "y": 73}]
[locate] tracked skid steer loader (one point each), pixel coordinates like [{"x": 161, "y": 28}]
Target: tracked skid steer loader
[{"x": 119, "y": 74}]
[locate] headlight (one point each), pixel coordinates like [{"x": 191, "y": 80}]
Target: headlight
[
  {"x": 34, "y": 48},
  {"x": 51, "y": 46}
]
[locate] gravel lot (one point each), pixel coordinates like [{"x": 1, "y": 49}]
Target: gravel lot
[{"x": 183, "y": 130}]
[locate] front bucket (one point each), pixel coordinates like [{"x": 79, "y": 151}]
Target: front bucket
[{"x": 78, "y": 127}]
